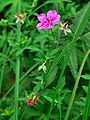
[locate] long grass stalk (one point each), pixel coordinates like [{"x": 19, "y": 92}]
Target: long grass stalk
[
  {"x": 87, "y": 104},
  {"x": 17, "y": 67},
  {"x": 75, "y": 86},
  {"x": 17, "y": 86}
]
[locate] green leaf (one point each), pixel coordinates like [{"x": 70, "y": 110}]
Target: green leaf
[
  {"x": 73, "y": 63},
  {"x": 8, "y": 111},
  {"x": 19, "y": 52},
  {"x": 67, "y": 0},
  {"x": 5, "y": 3},
  {"x": 52, "y": 1},
  {"x": 51, "y": 78},
  {"x": 32, "y": 48},
  {"x": 37, "y": 87},
  {"x": 87, "y": 77},
  {"x": 85, "y": 88},
  {"x": 62, "y": 83},
  {"x": 48, "y": 98}
]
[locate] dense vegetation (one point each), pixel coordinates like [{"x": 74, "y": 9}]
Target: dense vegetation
[{"x": 44, "y": 60}]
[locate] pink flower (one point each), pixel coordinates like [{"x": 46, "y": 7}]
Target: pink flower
[{"x": 48, "y": 21}]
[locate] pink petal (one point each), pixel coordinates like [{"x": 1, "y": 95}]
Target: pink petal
[
  {"x": 45, "y": 26},
  {"x": 51, "y": 25},
  {"x": 39, "y": 26},
  {"x": 41, "y": 17},
  {"x": 56, "y": 19},
  {"x": 48, "y": 26},
  {"x": 51, "y": 14}
]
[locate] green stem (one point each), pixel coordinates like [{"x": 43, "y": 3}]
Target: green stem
[
  {"x": 75, "y": 86},
  {"x": 17, "y": 67},
  {"x": 17, "y": 86},
  {"x": 87, "y": 104}
]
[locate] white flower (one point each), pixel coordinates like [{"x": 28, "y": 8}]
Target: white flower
[
  {"x": 42, "y": 67},
  {"x": 19, "y": 18},
  {"x": 64, "y": 28}
]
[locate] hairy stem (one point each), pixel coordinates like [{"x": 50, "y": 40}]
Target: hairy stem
[{"x": 17, "y": 68}]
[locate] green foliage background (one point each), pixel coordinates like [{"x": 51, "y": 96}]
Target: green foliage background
[{"x": 63, "y": 85}]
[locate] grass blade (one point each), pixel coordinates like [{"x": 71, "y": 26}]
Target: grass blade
[
  {"x": 17, "y": 67},
  {"x": 87, "y": 104}
]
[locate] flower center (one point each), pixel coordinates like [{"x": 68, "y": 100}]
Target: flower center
[{"x": 48, "y": 21}]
